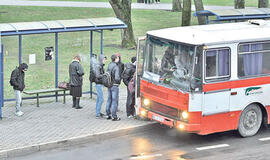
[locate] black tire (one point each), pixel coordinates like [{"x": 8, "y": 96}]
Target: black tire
[{"x": 250, "y": 121}]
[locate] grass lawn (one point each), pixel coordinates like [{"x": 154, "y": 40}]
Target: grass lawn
[
  {"x": 249, "y": 3},
  {"x": 41, "y": 74}
]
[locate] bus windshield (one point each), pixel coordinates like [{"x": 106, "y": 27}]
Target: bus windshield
[{"x": 171, "y": 64}]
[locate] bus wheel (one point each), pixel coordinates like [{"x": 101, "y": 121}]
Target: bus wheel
[{"x": 250, "y": 121}]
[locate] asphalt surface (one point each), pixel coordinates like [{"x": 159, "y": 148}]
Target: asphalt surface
[{"x": 162, "y": 143}]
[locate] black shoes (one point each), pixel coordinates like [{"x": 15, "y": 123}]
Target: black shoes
[
  {"x": 77, "y": 105},
  {"x": 116, "y": 119},
  {"x": 109, "y": 117}
]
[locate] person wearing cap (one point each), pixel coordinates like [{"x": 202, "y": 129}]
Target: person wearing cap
[
  {"x": 99, "y": 71},
  {"x": 17, "y": 81},
  {"x": 128, "y": 74},
  {"x": 76, "y": 73}
]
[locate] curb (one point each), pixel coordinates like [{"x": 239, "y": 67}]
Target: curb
[{"x": 10, "y": 153}]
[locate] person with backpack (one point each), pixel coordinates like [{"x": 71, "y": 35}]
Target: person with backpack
[
  {"x": 17, "y": 81},
  {"x": 127, "y": 75},
  {"x": 113, "y": 89},
  {"x": 99, "y": 72},
  {"x": 76, "y": 73}
]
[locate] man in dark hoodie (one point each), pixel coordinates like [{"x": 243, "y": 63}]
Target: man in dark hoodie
[
  {"x": 99, "y": 71},
  {"x": 76, "y": 80},
  {"x": 127, "y": 76},
  {"x": 113, "y": 92},
  {"x": 17, "y": 81}
]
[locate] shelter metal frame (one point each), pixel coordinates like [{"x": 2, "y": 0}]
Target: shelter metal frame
[
  {"x": 234, "y": 14},
  {"x": 56, "y": 27}
]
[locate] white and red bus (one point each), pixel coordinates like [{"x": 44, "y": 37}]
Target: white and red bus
[{"x": 209, "y": 78}]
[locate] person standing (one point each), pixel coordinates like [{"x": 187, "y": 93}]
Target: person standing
[
  {"x": 17, "y": 81},
  {"x": 76, "y": 80},
  {"x": 121, "y": 70},
  {"x": 113, "y": 92},
  {"x": 128, "y": 74},
  {"x": 145, "y": 1},
  {"x": 99, "y": 71}
]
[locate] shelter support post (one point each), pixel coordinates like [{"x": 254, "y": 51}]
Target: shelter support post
[
  {"x": 20, "y": 49},
  {"x": 1, "y": 79},
  {"x": 91, "y": 54},
  {"x": 101, "y": 42},
  {"x": 56, "y": 65}
]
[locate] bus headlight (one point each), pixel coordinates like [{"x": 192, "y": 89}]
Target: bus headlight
[
  {"x": 181, "y": 126},
  {"x": 143, "y": 113},
  {"x": 146, "y": 102},
  {"x": 184, "y": 115}
]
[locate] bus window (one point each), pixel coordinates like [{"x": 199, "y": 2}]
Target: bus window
[
  {"x": 254, "y": 59},
  {"x": 217, "y": 63}
]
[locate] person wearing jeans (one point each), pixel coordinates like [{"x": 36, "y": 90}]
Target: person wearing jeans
[
  {"x": 113, "y": 92},
  {"x": 18, "y": 95},
  {"x": 98, "y": 72},
  {"x": 111, "y": 108},
  {"x": 17, "y": 81}
]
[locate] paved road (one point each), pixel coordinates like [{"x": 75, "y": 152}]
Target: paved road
[
  {"x": 163, "y": 143},
  {"x": 160, "y": 6}
]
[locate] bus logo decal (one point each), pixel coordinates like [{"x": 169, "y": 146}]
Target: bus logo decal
[{"x": 253, "y": 90}]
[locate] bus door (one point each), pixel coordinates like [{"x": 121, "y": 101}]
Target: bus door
[
  {"x": 217, "y": 71},
  {"x": 139, "y": 70}
]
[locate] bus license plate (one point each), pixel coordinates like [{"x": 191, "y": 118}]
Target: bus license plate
[{"x": 157, "y": 118}]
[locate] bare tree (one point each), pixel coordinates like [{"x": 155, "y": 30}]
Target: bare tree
[
  {"x": 186, "y": 13},
  {"x": 122, "y": 10},
  {"x": 176, "y": 5},
  {"x": 199, "y": 7},
  {"x": 263, "y": 3},
  {"x": 239, "y": 4}
]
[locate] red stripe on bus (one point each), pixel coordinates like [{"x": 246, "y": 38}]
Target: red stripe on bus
[{"x": 236, "y": 84}]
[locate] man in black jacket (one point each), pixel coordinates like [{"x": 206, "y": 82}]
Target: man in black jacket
[
  {"x": 17, "y": 81},
  {"x": 99, "y": 71},
  {"x": 128, "y": 74},
  {"x": 76, "y": 80},
  {"x": 113, "y": 92}
]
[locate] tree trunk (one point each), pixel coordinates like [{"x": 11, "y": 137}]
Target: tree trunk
[
  {"x": 140, "y": 1},
  {"x": 263, "y": 3},
  {"x": 239, "y": 4},
  {"x": 177, "y": 6},
  {"x": 199, "y": 7},
  {"x": 122, "y": 10},
  {"x": 186, "y": 13}
]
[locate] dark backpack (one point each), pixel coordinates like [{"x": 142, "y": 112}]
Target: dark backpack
[
  {"x": 125, "y": 77},
  {"x": 107, "y": 80},
  {"x": 92, "y": 75}
]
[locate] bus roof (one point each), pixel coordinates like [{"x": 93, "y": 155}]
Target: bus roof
[{"x": 217, "y": 33}]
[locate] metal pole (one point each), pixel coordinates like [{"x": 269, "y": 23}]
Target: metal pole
[
  {"x": 56, "y": 65},
  {"x": 91, "y": 54},
  {"x": 1, "y": 79},
  {"x": 20, "y": 49},
  {"x": 101, "y": 42}
]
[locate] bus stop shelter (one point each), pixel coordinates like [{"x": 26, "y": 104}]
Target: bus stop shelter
[
  {"x": 234, "y": 14},
  {"x": 58, "y": 26}
]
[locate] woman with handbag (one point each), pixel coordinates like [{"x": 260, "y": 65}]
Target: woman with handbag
[{"x": 76, "y": 80}]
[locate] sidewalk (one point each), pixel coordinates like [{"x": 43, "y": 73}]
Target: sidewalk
[
  {"x": 57, "y": 124},
  {"x": 160, "y": 6}
]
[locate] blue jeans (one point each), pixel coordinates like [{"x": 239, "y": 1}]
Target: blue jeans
[
  {"x": 100, "y": 99},
  {"x": 18, "y": 95},
  {"x": 112, "y": 104}
]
